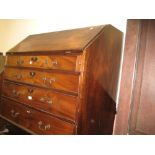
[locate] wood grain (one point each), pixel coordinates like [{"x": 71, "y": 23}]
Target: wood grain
[
  {"x": 57, "y": 41},
  {"x": 101, "y": 79},
  {"x": 136, "y": 107},
  {"x": 30, "y": 118},
  {"x": 65, "y": 82},
  {"x": 142, "y": 110},
  {"x": 58, "y": 104},
  {"x": 14, "y": 112},
  {"x": 127, "y": 77},
  {"x": 44, "y": 62}
]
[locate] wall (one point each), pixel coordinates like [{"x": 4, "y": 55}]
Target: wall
[{"x": 14, "y": 30}]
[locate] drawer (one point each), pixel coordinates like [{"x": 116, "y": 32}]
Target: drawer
[
  {"x": 65, "y": 82},
  {"x": 59, "y": 62},
  {"x": 15, "y": 112},
  {"x": 52, "y": 102},
  {"x": 38, "y": 122},
  {"x": 13, "y": 60},
  {"x": 42, "y": 123}
]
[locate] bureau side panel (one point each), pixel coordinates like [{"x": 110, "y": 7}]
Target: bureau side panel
[{"x": 102, "y": 63}]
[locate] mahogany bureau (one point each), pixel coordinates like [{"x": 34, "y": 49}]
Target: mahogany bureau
[{"x": 63, "y": 82}]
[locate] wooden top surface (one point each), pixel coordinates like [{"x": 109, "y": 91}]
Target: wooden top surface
[{"x": 75, "y": 39}]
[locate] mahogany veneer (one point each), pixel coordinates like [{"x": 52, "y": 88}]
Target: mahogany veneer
[{"x": 63, "y": 82}]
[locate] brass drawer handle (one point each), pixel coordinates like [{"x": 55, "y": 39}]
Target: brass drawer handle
[
  {"x": 46, "y": 99},
  {"x": 52, "y": 80},
  {"x": 43, "y": 127},
  {"x": 47, "y": 127},
  {"x": 44, "y": 79},
  {"x": 16, "y": 93},
  {"x": 42, "y": 99},
  {"x": 55, "y": 62},
  {"x": 14, "y": 114},
  {"x": 32, "y": 74},
  {"x": 20, "y": 62},
  {"x": 49, "y": 101},
  {"x": 18, "y": 77}
]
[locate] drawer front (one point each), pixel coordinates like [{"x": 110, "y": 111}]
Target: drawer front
[
  {"x": 65, "y": 82},
  {"x": 56, "y": 103},
  {"x": 15, "y": 112},
  {"x": 48, "y": 62},
  {"x": 13, "y": 60},
  {"x": 44, "y": 124},
  {"x": 38, "y": 122}
]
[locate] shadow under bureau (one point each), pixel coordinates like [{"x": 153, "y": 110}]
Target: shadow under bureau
[{"x": 63, "y": 82}]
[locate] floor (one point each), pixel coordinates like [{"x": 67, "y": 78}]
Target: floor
[{"x": 7, "y": 128}]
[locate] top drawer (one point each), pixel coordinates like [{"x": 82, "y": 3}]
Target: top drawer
[{"x": 60, "y": 62}]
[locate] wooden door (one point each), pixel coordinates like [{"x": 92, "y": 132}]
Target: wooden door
[
  {"x": 143, "y": 106},
  {"x": 136, "y": 112}
]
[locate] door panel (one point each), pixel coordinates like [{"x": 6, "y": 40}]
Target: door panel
[{"x": 143, "y": 106}]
